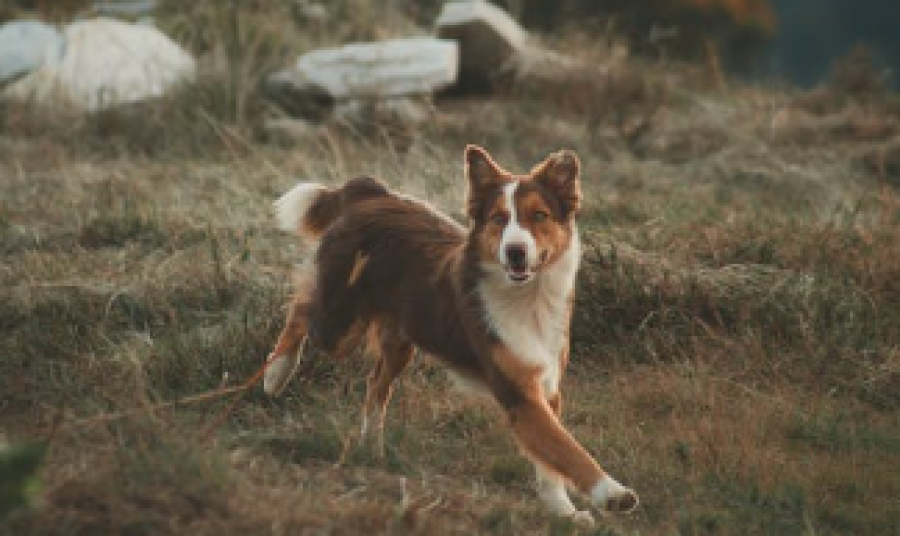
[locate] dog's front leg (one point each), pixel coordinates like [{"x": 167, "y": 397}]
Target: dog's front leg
[
  {"x": 544, "y": 440},
  {"x": 551, "y": 487}
]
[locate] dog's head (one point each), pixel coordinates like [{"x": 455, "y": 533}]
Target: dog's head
[{"x": 523, "y": 223}]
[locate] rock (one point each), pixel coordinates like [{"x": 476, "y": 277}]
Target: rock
[
  {"x": 25, "y": 46},
  {"x": 126, "y": 8},
  {"x": 489, "y": 39},
  {"x": 107, "y": 63},
  {"x": 363, "y": 72},
  {"x": 368, "y": 70}
]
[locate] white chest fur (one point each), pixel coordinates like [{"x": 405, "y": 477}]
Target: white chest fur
[{"x": 532, "y": 319}]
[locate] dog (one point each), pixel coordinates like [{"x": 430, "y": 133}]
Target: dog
[{"x": 492, "y": 301}]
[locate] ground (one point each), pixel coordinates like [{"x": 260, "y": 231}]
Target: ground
[{"x": 736, "y": 341}]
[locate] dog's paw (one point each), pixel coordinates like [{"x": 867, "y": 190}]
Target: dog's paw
[
  {"x": 623, "y": 502},
  {"x": 582, "y": 517},
  {"x": 278, "y": 373},
  {"x": 614, "y": 497}
]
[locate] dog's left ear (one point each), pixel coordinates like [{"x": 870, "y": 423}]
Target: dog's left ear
[{"x": 561, "y": 173}]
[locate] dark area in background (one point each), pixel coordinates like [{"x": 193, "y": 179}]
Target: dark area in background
[
  {"x": 656, "y": 27},
  {"x": 805, "y": 40},
  {"x": 813, "y": 33}
]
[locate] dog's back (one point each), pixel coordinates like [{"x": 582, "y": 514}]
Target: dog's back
[{"x": 385, "y": 259}]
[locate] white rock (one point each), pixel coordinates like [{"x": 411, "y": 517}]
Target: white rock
[
  {"x": 481, "y": 12},
  {"x": 387, "y": 69},
  {"x": 25, "y": 46},
  {"x": 107, "y": 63},
  {"x": 488, "y": 37}
]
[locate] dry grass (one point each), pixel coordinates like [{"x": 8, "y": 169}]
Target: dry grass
[{"x": 736, "y": 337}]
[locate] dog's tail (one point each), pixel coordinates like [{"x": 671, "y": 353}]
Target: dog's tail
[{"x": 309, "y": 209}]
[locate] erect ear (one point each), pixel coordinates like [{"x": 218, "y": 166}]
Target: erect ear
[
  {"x": 480, "y": 167},
  {"x": 481, "y": 174},
  {"x": 561, "y": 173}
]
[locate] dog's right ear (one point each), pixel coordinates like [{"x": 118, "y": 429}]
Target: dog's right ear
[
  {"x": 480, "y": 167},
  {"x": 481, "y": 174}
]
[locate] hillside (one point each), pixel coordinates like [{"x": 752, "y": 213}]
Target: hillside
[{"x": 736, "y": 347}]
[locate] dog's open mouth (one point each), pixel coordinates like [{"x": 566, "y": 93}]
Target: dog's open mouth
[{"x": 519, "y": 275}]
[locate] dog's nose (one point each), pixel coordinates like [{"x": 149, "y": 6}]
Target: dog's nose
[{"x": 517, "y": 256}]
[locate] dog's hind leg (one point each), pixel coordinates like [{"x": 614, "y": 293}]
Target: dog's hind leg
[
  {"x": 392, "y": 352},
  {"x": 284, "y": 359}
]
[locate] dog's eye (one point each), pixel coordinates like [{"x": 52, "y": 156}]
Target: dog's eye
[
  {"x": 498, "y": 218},
  {"x": 540, "y": 216}
]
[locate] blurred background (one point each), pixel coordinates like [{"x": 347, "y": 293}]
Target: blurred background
[
  {"x": 793, "y": 40},
  {"x": 735, "y": 333}
]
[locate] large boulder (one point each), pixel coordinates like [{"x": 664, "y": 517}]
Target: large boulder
[
  {"x": 489, "y": 40},
  {"x": 107, "y": 63},
  {"x": 396, "y": 68},
  {"x": 25, "y": 46}
]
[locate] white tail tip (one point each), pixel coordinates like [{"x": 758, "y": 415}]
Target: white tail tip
[{"x": 292, "y": 207}]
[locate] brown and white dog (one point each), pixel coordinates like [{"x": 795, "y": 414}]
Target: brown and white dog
[{"x": 491, "y": 301}]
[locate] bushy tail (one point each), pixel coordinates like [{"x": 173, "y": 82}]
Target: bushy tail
[{"x": 309, "y": 209}]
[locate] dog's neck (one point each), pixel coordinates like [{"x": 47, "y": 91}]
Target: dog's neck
[{"x": 532, "y": 318}]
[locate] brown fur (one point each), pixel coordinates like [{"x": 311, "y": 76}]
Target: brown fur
[
  {"x": 409, "y": 276},
  {"x": 538, "y": 430}
]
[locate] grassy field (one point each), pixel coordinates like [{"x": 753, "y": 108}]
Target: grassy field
[{"x": 736, "y": 349}]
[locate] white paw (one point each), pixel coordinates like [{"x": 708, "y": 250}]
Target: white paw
[
  {"x": 614, "y": 497},
  {"x": 582, "y": 517},
  {"x": 278, "y": 373}
]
